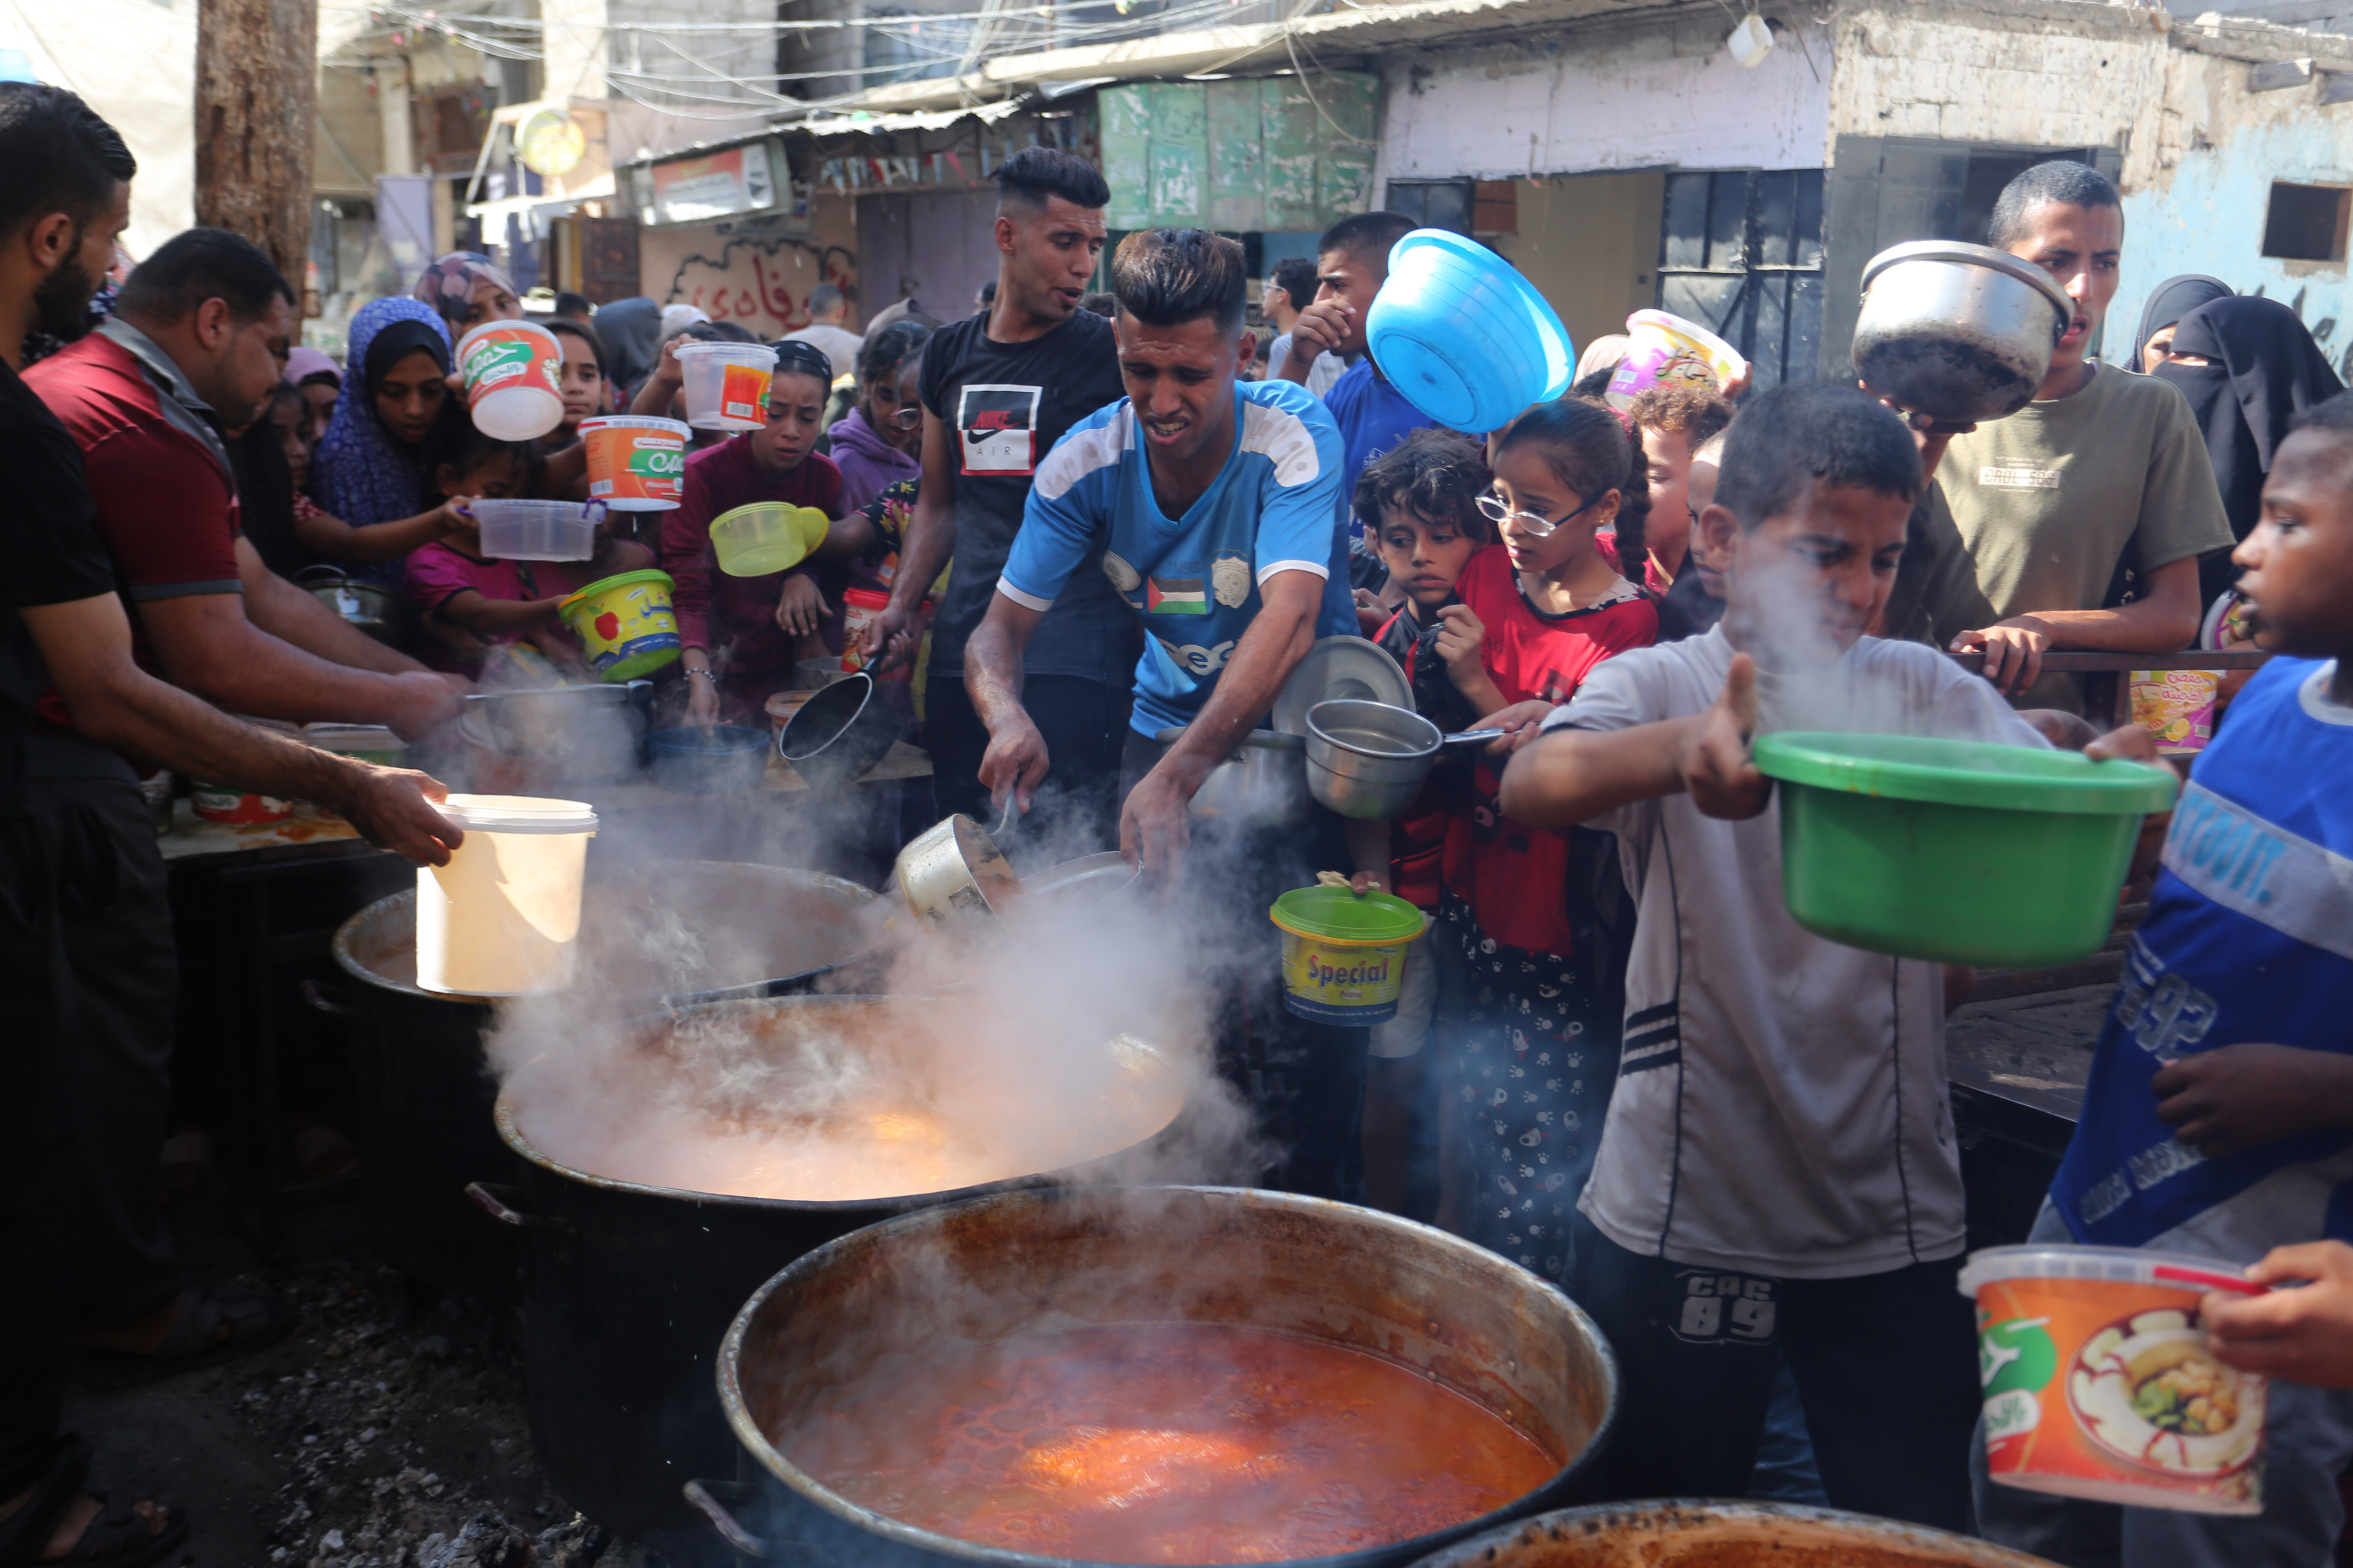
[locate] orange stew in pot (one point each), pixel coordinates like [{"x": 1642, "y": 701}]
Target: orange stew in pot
[{"x": 1194, "y": 1444}]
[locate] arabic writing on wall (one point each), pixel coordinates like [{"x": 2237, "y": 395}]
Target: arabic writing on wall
[{"x": 761, "y": 284}]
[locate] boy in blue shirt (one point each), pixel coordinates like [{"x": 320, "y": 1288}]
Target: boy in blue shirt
[
  {"x": 1210, "y": 503},
  {"x": 1212, "y": 506},
  {"x": 2217, "y": 1121}
]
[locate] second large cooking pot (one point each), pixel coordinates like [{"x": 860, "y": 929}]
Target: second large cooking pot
[
  {"x": 860, "y": 1311},
  {"x": 632, "y": 1286},
  {"x": 424, "y": 1091}
]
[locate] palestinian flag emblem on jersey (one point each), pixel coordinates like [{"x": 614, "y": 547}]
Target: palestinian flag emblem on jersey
[{"x": 1175, "y": 597}]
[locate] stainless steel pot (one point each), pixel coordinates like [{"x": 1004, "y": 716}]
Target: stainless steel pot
[
  {"x": 1020, "y": 1263},
  {"x": 370, "y": 607},
  {"x": 1263, "y": 784},
  {"x": 1964, "y": 332},
  {"x": 631, "y": 1288},
  {"x": 1367, "y": 759},
  {"x": 425, "y": 1092},
  {"x": 839, "y": 734},
  {"x": 952, "y": 871},
  {"x": 1675, "y": 1533}
]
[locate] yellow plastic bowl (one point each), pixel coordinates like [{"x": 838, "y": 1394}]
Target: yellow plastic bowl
[{"x": 766, "y": 536}]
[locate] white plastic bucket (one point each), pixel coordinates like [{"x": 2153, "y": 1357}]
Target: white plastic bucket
[
  {"x": 503, "y": 918},
  {"x": 726, "y": 385},
  {"x": 513, "y": 372}
]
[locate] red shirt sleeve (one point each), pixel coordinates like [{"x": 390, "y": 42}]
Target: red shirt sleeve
[{"x": 164, "y": 549}]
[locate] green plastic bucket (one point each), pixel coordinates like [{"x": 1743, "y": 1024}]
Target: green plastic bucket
[
  {"x": 1956, "y": 851},
  {"x": 1343, "y": 956}
]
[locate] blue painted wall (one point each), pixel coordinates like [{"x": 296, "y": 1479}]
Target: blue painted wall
[{"x": 2209, "y": 219}]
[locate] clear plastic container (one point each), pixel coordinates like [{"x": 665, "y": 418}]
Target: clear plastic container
[
  {"x": 766, "y": 536},
  {"x": 726, "y": 385},
  {"x": 503, "y": 918},
  {"x": 537, "y": 529}
]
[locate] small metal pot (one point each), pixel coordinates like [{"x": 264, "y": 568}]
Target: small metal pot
[
  {"x": 952, "y": 870},
  {"x": 1263, "y": 784},
  {"x": 839, "y": 734},
  {"x": 1367, "y": 759},
  {"x": 1676, "y": 1534},
  {"x": 370, "y": 607},
  {"x": 726, "y": 759},
  {"x": 1964, "y": 332}
]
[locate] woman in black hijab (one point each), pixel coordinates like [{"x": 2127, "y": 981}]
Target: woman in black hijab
[
  {"x": 2174, "y": 299},
  {"x": 630, "y": 330},
  {"x": 2248, "y": 367}
]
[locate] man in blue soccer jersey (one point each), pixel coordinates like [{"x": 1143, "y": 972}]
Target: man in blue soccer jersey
[
  {"x": 2218, "y": 1118},
  {"x": 1213, "y": 507},
  {"x": 1211, "y": 504}
]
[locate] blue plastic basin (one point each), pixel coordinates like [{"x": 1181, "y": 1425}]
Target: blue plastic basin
[{"x": 1465, "y": 338}]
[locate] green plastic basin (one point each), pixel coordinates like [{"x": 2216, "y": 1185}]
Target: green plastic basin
[{"x": 1956, "y": 851}]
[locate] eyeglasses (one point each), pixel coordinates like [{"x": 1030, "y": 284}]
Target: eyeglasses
[
  {"x": 1493, "y": 506},
  {"x": 908, "y": 418}
]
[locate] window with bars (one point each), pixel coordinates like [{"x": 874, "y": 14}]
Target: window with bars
[{"x": 1740, "y": 252}]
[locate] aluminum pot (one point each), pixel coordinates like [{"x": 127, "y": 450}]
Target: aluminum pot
[
  {"x": 839, "y": 734},
  {"x": 1964, "y": 332},
  {"x": 953, "y": 870},
  {"x": 1677, "y": 1533},
  {"x": 424, "y": 1091},
  {"x": 630, "y": 1291},
  {"x": 1262, "y": 784},
  {"x": 370, "y": 607},
  {"x": 1020, "y": 1263},
  {"x": 1367, "y": 759}
]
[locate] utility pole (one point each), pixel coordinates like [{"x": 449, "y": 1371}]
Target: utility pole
[{"x": 257, "y": 110}]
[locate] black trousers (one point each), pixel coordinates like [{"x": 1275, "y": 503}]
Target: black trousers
[
  {"x": 38, "y": 1147},
  {"x": 86, "y": 972},
  {"x": 1886, "y": 1365},
  {"x": 1305, "y": 1081},
  {"x": 1083, "y": 722},
  {"x": 126, "y": 980}
]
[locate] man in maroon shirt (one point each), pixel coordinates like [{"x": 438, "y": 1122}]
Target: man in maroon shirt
[
  {"x": 64, "y": 196},
  {"x": 198, "y": 339}
]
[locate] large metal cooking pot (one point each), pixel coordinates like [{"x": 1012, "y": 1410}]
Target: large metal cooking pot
[
  {"x": 1263, "y": 784},
  {"x": 1962, "y": 331},
  {"x": 631, "y": 1288},
  {"x": 1019, "y": 1263},
  {"x": 1674, "y": 1533},
  {"x": 425, "y": 1093}
]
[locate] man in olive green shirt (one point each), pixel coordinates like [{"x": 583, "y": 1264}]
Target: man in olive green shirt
[{"x": 2030, "y": 517}]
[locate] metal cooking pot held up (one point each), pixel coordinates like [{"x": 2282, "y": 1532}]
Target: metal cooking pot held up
[
  {"x": 998, "y": 1268},
  {"x": 1964, "y": 332},
  {"x": 1263, "y": 784}
]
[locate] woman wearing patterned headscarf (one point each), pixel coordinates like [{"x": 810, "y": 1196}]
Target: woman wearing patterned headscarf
[
  {"x": 467, "y": 289},
  {"x": 369, "y": 472}
]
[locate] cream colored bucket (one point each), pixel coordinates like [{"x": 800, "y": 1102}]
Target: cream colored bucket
[{"x": 503, "y": 918}]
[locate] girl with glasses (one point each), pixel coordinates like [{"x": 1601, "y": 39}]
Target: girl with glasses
[{"x": 1532, "y": 1030}]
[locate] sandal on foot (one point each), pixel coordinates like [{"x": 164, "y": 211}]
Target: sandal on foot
[
  {"x": 25, "y": 1532},
  {"x": 253, "y": 1320},
  {"x": 120, "y": 1540}
]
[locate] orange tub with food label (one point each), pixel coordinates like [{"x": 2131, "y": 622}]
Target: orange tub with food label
[
  {"x": 635, "y": 463},
  {"x": 859, "y": 608},
  {"x": 2098, "y": 1381}
]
